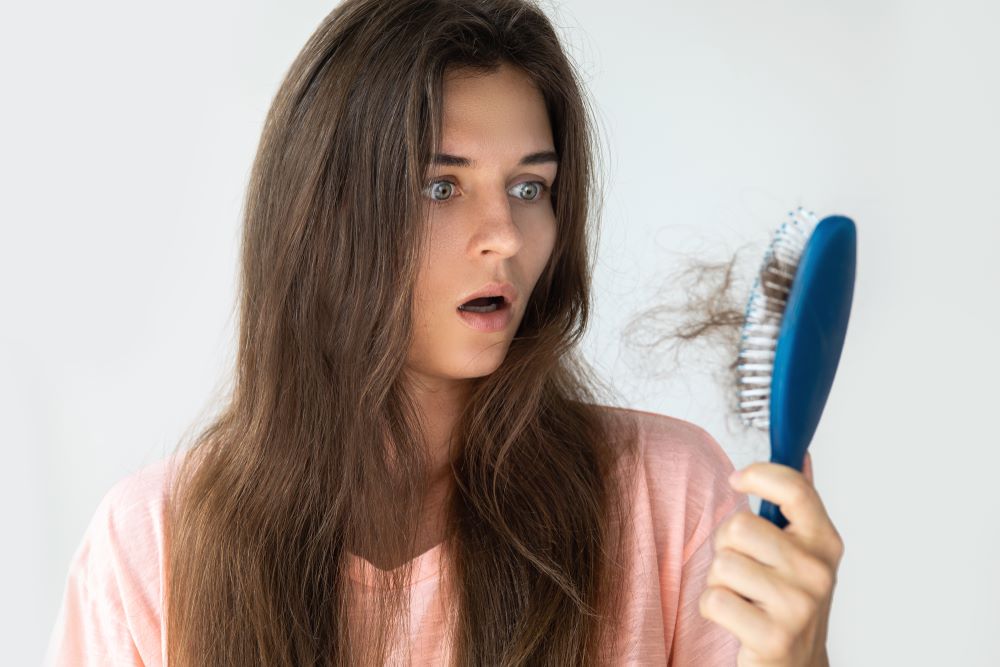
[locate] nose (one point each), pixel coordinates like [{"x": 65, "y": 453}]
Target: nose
[{"x": 496, "y": 228}]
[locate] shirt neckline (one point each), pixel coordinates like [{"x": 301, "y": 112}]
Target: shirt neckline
[{"x": 425, "y": 567}]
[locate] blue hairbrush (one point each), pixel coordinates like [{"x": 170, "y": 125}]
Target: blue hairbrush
[{"x": 793, "y": 333}]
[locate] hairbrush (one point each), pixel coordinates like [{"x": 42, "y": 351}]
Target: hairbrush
[{"x": 793, "y": 333}]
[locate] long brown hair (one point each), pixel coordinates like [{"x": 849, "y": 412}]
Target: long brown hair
[{"x": 318, "y": 450}]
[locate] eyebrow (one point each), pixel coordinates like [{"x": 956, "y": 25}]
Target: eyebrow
[{"x": 541, "y": 157}]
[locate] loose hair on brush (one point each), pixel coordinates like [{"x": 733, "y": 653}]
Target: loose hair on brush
[
  {"x": 317, "y": 449},
  {"x": 699, "y": 312}
]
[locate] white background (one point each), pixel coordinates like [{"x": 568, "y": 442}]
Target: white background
[{"x": 126, "y": 140}]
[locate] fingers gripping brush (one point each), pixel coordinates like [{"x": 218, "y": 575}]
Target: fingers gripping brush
[{"x": 793, "y": 333}]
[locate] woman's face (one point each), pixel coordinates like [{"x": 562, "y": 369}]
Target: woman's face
[{"x": 492, "y": 220}]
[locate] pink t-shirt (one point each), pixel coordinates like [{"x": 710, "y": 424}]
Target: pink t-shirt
[{"x": 111, "y": 611}]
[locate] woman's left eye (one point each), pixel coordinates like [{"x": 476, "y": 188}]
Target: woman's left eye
[{"x": 536, "y": 190}]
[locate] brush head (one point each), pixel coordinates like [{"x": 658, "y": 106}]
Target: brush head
[{"x": 762, "y": 318}]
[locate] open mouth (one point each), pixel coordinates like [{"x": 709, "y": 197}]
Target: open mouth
[{"x": 486, "y": 304}]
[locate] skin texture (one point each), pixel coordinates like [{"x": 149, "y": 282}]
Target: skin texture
[
  {"x": 773, "y": 588},
  {"x": 492, "y": 222}
]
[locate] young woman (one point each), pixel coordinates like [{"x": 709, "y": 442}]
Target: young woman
[{"x": 396, "y": 479}]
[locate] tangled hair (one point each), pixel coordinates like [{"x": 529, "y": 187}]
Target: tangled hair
[
  {"x": 318, "y": 450},
  {"x": 701, "y": 307}
]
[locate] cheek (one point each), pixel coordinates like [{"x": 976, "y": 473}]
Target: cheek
[
  {"x": 541, "y": 241},
  {"x": 435, "y": 285},
  {"x": 423, "y": 296}
]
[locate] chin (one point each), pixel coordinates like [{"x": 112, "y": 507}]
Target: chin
[{"x": 483, "y": 363}]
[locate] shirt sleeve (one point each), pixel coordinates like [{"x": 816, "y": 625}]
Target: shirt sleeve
[
  {"x": 90, "y": 628},
  {"x": 691, "y": 497},
  {"x": 110, "y": 611},
  {"x": 697, "y": 640}
]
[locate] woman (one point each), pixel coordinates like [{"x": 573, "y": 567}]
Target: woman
[{"x": 396, "y": 479}]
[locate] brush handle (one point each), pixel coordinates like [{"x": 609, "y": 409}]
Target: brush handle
[
  {"x": 769, "y": 510},
  {"x": 792, "y": 457},
  {"x": 772, "y": 513}
]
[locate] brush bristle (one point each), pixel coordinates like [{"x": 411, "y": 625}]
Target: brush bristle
[{"x": 762, "y": 319}]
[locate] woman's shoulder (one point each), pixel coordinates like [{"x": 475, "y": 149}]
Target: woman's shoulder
[
  {"x": 130, "y": 516},
  {"x": 113, "y": 595},
  {"x": 684, "y": 472},
  {"x": 665, "y": 440},
  {"x": 127, "y": 530}
]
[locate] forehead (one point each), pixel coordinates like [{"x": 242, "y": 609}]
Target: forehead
[{"x": 496, "y": 113}]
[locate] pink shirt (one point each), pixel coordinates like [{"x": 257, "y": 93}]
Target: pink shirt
[{"x": 111, "y": 611}]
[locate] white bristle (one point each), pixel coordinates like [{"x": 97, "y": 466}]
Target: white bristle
[
  {"x": 756, "y": 354},
  {"x": 783, "y": 274},
  {"x": 765, "y": 327},
  {"x": 754, "y": 367},
  {"x": 762, "y": 318},
  {"x": 758, "y": 340}
]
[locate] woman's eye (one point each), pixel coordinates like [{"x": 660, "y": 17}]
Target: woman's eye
[
  {"x": 535, "y": 190},
  {"x": 435, "y": 187}
]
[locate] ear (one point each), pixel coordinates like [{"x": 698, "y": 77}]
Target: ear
[{"x": 807, "y": 468}]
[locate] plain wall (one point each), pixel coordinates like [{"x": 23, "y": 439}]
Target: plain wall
[{"x": 127, "y": 137}]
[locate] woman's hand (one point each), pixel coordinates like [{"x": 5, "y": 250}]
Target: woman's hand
[{"x": 772, "y": 588}]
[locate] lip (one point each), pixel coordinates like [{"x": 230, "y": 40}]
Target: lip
[
  {"x": 498, "y": 320},
  {"x": 506, "y": 290}
]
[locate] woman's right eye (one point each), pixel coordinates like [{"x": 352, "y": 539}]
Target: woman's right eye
[{"x": 434, "y": 187}]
